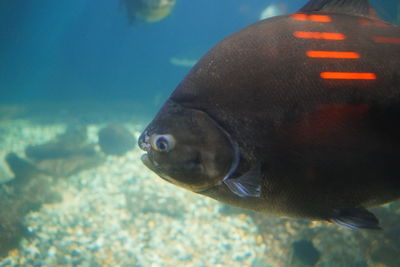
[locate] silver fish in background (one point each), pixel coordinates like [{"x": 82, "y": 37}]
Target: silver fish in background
[
  {"x": 148, "y": 10},
  {"x": 273, "y": 10},
  {"x": 296, "y": 115}
]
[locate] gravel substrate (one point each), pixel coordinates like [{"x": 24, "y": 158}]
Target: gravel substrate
[{"x": 121, "y": 214}]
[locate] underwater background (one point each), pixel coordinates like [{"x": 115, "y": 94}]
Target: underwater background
[{"x": 78, "y": 83}]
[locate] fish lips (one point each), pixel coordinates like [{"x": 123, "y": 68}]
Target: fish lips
[
  {"x": 147, "y": 161},
  {"x": 152, "y": 166},
  {"x": 143, "y": 141},
  {"x": 144, "y": 144}
]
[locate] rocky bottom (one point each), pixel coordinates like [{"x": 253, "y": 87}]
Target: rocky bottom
[{"x": 121, "y": 214}]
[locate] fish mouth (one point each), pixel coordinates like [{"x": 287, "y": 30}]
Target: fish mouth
[
  {"x": 144, "y": 141},
  {"x": 152, "y": 166},
  {"x": 149, "y": 163},
  {"x": 144, "y": 144},
  {"x": 145, "y": 159}
]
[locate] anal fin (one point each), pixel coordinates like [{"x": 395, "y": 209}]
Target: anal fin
[{"x": 355, "y": 218}]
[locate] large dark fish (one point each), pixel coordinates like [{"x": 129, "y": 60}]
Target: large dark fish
[{"x": 297, "y": 115}]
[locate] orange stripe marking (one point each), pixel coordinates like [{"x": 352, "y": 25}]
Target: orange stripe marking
[
  {"x": 387, "y": 40},
  {"x": 314, "y": 18},
  {"x": 319, "y": 35},
  {"x": 332, "y": 54},
  {"x": 298, "y": 16},
  {"x": 348, "y": 75},
  {"x": 320, "y": 18}
]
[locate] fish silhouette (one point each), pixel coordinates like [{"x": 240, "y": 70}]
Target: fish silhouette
[{"x": 297, "y": 115}]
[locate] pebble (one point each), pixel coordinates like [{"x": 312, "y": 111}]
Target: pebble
[{"x": 121, "y": 214}]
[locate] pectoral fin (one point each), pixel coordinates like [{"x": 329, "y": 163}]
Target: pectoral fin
[
  {"x": 247, "y": 185},
  {"x": 355, "y": 218}
]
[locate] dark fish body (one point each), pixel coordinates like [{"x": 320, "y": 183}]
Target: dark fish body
[{"x": 308, "y": 110}]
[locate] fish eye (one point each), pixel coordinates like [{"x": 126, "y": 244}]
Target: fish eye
[{"x": 162, "y": 143}]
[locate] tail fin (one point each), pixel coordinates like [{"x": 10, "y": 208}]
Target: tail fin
[{"x": 21, "y": 168}]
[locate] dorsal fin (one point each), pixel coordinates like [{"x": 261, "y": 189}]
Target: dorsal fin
[{"x": 352, "y": 7}]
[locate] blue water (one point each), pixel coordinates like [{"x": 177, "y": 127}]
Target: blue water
[{"x": 85, "y": 49}]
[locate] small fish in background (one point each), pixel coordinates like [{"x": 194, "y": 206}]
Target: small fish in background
[
  {"x": 398, "y": 13},
  {"x": 148, "y": 10},
  {"x": 5, "y": 173},
  {"x": 67, "y": 154},
  {"x": 187, "y": 58},
  {"x": 158, "y": 99},
  {"x": 30, "y": 188},
  {"x": 296, "y": 115},
  {"x": 273, "y": 10},
  {"x": 115, "y": 140},
  {"x": 182, "y": 62}
]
